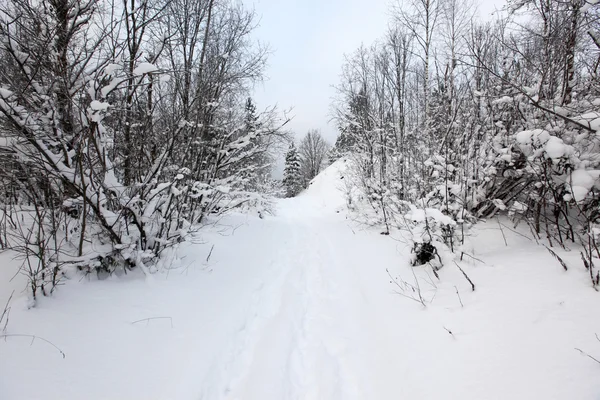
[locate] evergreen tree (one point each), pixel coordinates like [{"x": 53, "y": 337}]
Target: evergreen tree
[
  {"x": 343, "y": 144},
  {"x": 256, "y": 166},
  {"x": 292, "y": 179}
]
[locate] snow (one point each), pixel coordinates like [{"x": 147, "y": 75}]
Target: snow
[
  {"x": 528, "y": 139},
  {"x": 110, "y": 68},
  {"x": 499, "y": 204},
  {"x": 542, "y": 141},
  {"x": 144, "y": 68},
  {"x": 420, "y": 215},
  {"x": 503, "y": 100},
  {"x": 99, "y": 106},
  {"x": 581, "y": 182},
  {"x": 591, "y": 119},
  {"x": 299, "y": 306},
  {"x": 555, "y": 148},
  {"x": 5, "y": 93},
  {"x": 588, "y": 4}
]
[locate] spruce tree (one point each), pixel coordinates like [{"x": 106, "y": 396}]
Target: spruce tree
[{"x": 292, "y": 174}]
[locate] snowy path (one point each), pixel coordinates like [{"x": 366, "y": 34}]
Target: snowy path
[
  {"x": 299, "y": 306},
  {"x": 304, "y": 341}
]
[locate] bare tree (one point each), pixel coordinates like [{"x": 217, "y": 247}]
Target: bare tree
[
  {"x": 420, "y": 17},
  {"x": 313, "y": 153}
]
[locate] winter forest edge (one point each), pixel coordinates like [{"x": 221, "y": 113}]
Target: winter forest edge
[{"x": 126, "y": 127}]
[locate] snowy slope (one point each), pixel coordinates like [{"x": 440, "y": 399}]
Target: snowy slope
[{"x": 300, "y": 306}]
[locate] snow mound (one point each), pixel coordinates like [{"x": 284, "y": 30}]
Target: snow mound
[
  {"x": 325, "y": 195},
  {"x": 330, "y": 184},
  {"x": 581, "y": 182}
]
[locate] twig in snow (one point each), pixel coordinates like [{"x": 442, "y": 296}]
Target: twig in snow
[
  {"x": 473, "y": 257},
  {"x": 459, "y": 299},
  {"x": 148, "y": 320},
  {"x": 33, "y": 337},
  {"x": 434, "y": 271},
  {"x": 210, "y": 253},
  {"x": 393, "y": 280},
  {"x": 502, "y": 231},
  {"x": 430, "y": 281},
  {"x": 449, "y": 331},
  {"x": 557, "y": 257},
  {"x": 421, "y": 300},
  {"x": 433, "y": 297},
  {"x": 587, "y": 355},
  {"x": 533, "y": 233},
  {"x": 403, "y": 289},
  {"x": 515, "y": 231},
  {"x": 6, "y": 312},
  {"x": 585, "y": 262},
  {"x": 466, "y": 276}
]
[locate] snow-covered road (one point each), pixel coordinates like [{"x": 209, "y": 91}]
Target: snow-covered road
[{"x": 299, "y": 306}]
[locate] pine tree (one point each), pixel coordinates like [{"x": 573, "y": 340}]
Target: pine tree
[
  {"x": 255, "y": 167},
  {"x": 292, "y": 172},
  {"x": 343, "y": 144}
]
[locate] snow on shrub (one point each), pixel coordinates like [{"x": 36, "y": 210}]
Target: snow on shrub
[{"x": 431, "y": 233}]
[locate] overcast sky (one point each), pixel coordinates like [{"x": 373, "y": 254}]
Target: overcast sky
[{"x": 309, "y": 39}]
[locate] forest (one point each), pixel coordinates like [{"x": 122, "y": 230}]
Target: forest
[
  {"x": 125, "y": 124},
  {"x": 167, "y": 234},
  {"x": 473, "y": 120}
]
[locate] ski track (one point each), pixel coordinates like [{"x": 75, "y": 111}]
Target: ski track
[
  {"x": 268, "y": 298},
  {"x": 297, "y": 323},
  {"x": 294, "y": 328}
]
